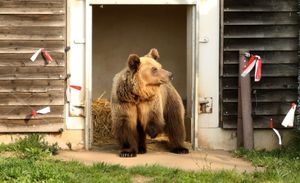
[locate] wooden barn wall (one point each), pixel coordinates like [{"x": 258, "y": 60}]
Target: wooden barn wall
[
  {"x": 269, "y": 29},
  {"x": 25, "y": 26},
  {"x": 297, "y": 124}
]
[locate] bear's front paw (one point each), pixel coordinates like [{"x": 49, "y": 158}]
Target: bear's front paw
[
  {"x": 180, "y": 150},
  {"x": 127, "y": 154}
]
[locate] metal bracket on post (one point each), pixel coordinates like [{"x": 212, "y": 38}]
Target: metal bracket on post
[
  {"x": 204, "y": 39},
  {"x": 205, "y": 105},
  {"x": 79, "y": 41}
]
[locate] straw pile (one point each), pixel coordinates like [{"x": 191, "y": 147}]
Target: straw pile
[{"x": 102, "y": 124}]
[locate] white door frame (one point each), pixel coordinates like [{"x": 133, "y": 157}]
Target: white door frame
[{"x": 88, "y": 59}]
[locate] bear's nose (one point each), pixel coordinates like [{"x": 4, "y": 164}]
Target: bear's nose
[{"x": 170, "y": 75}]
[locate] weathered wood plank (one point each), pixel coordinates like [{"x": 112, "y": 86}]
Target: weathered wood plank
[
  {"x": 32, "y": 11},
  {"x": 252, "y": 31},
  {"x": 32, "y": 7},
  {"x": 32, "y": 77},
  {"x": 263, "y": 95},
  {"x": 268, "y": 44},
  {"x": 37, "y": 125},
  {"x": 32, "y": 20},
  {"x": 34, "y": 82},
  {"x": 30, "y": 122},
  {"x": 29, "y": 116},
  {"x": 49, "y": 98},
  {"x": 34, "y": 86},
  {"x": 42, "y": 83},
  {"x": 259, "y": 108},
  {"x": 262, "y": 18},
  {"x": 32, "y": 33},
  {"x": 23, "y": 59},
  {"x": 266, "y": 83},
  {"x": 268, "y": 57},
  {"x": 24, "y": 112},
  {"x": 10, "y": 73},
  {"x": 278, "y": 70},
  {"x": 259, "y": 5},
  {"x": 31, "y": 46},
  {"x": 32, "y": 4},
  {"x": 31, "y": 70}
]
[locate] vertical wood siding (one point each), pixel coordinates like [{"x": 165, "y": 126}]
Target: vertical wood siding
[
  {"x": 25, "y": 26},
  {"x": 268, "y": 28}
]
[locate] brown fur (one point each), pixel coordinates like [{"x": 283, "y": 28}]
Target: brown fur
[{"x": 145, "y": 102}]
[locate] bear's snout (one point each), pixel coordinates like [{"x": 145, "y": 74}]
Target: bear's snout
[{"x": 165, "y": 76}]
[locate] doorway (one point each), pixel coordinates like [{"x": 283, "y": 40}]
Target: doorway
[{"x": 118, "y": 31}]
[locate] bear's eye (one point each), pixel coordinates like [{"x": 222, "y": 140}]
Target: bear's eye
[{"x": 154, "y": 69}]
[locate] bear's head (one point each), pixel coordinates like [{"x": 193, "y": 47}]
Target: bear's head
[{"x": 147, "y": 74}]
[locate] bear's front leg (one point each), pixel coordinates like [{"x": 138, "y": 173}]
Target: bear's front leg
[
  {"x": 127, "y": 138},
  {"x": 125, "y": 128},
  {"x": 156, "y": 124}
]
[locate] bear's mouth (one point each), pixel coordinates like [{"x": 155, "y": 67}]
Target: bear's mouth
[
  {"x": 154, "y": 84},
  {"x": 160, "y": 82},
  {"x": 163, "y": 81}
]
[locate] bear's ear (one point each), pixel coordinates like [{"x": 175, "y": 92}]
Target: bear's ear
[
  {"x": 153, "y": 53},
  {"x": 133, "y": 62}
]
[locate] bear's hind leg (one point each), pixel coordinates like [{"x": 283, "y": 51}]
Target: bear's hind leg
[
  {"x": 175, "y": 129},
  {"x": 177, "y": 142}
]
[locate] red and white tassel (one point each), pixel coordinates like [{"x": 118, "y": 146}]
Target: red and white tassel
[
  {"x": 44, "y": 110},
  {"x": 33, "y": 113},
  {"x": 256, "y": 61},
  {"x": 47, "y": 56},
  {"x": 288, "y": 120},
  {"x": 35, "y": 55},
  {"x": 258, "y": 66}
]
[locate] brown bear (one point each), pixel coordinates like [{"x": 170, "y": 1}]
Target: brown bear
[{"x": 143, "y": 101}]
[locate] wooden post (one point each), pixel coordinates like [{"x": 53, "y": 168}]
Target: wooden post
[{"x": 245, "y": 92}]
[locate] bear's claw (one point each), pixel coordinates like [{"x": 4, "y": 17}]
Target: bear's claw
[
  {"x": 126, "y": 154},
  {"x": 180, "y": 150}
]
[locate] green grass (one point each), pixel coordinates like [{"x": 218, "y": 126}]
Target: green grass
[
  {"x": 279, "y": 166},
  {"x": 23, "y": 170},
  {"x": 32, "y": 146}
]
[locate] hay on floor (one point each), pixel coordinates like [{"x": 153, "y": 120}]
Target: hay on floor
[{"x": 102, "y": 124}]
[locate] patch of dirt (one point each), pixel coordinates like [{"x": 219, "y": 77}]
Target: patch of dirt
[
  {"x": 7, "y": 154},
  {"x": 141, "y": 179}
]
